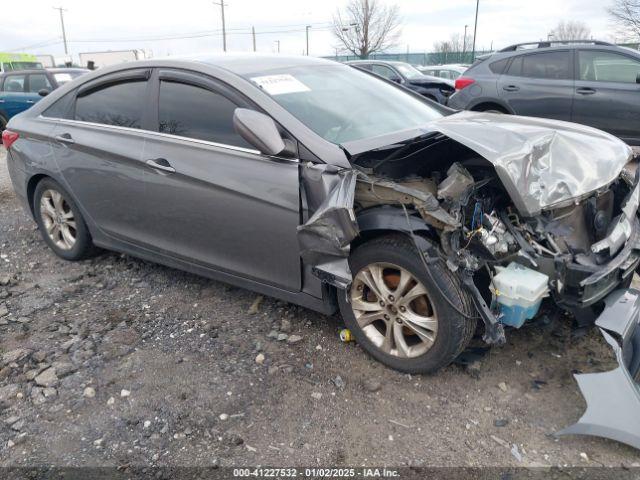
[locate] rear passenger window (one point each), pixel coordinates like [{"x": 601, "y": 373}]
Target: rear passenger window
[
  {"x": 194, "y": 112},
  {"x": 549, "y": 65},
  {"x": 14, "y": 83},
  {"x": 499, "y": 66},
  {"x": 39, "y": 81},
  {"x": 120, "y": 104},
  {"x": 61, "y": 108}
]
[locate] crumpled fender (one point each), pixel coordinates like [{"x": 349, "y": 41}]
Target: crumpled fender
[{"x": 613, "y": 398}]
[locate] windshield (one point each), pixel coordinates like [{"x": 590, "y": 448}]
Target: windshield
[
  {"x": 342, "y": 104},
  {"x": 408, "y": 71},
  {"x": 22, "y": 65}
]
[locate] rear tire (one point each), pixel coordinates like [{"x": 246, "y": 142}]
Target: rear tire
[
  {"x": 396, "y": 256},
  {"x": 60, "y": 222}
]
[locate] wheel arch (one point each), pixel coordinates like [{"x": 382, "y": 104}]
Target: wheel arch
[
  {"x": 385, "y": 220},
  {"x": 31, "y": 189},
  {"x": 490, "y": 104}
]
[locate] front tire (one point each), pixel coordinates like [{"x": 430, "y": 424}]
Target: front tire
[
  {"x": 60, "y": 222},
  {"x": 397, "y": 311}
]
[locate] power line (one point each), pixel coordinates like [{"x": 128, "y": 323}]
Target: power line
[
  {"x": 44, "y": 43},
  {"x": 212, "y": 33}
]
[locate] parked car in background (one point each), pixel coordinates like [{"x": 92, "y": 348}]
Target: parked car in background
[
  {"x": 590, "y": 82},
  {"x": 18, "y": 61},
  {"x": 450, "y": 72},
  {"x": 103, "y": 59},
  {"x": 436, "y": 89},
  {"x": 19, "y": 90}
]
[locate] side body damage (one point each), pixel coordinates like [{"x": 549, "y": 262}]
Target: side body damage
[{"x": 499, "y": 200}]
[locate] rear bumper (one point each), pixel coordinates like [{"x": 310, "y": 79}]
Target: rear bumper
[{"x": 613, "y": 398}]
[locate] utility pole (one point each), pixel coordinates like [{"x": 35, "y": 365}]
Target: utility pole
[
  {"x": 253, "y": 34},
  {"x": 464, "y": 39},
  {"x": 278, "y": 42},
  {"x": 475, "y": 31},
  {"x": 307, "y": 32},
  {"x": 64, "y": 33},
  {"x": 224, "y": 27}
]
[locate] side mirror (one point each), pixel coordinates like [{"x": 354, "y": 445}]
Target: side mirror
[
  {"x": 396, "y": 79},
  {"x": 260, "y": 131},
  {"x": 43, "y": 92}
]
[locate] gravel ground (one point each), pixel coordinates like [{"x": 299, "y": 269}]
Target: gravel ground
[{"x": 116, "y": 361}]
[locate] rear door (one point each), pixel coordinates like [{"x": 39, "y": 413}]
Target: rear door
[
  {"x": 211, "y": 198},
  {"x": 98, "y": 149},
  {"x": 608, "y": 93},
  {"x": 539, "y": 84},
  {"x": 14, "y": 98}
]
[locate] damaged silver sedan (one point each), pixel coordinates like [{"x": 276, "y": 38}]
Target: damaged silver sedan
[{"x": 327, "y": 187}]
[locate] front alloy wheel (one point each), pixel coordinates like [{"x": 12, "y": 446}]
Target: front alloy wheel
[
  {"x": 394, "y": 311},
  {"x": 409, "y": 318}
]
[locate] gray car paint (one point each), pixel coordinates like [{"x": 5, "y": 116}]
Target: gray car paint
[
  {"x": 245, "y": 216},
  {"x": 613, "y": 397}
]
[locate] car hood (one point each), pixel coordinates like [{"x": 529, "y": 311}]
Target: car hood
[
  {"x": 429, "y": 80},
  {"x": 542, "y": 163}
]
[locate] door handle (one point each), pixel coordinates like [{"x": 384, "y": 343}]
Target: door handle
[
  {"x": 65, "y": 138},
  {"x": 161, "y": 164},
  {"x": 585, "y": 91},
  {"x": 511, "y": 88},
  {"x": 1, "y": 100}
]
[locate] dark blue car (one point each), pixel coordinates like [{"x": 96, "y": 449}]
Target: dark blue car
[{"x": 19, "y": 90}]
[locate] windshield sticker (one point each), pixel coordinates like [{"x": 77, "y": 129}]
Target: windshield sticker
[{"x": 280, "y": 84}]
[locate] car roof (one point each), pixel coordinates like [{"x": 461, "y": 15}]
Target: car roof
[
  {"x": 243, "y": 64},
  {"x": 23, "y": 72},
  {"x": 375, "y": 60},
  {"x": 67, "y": 69}
]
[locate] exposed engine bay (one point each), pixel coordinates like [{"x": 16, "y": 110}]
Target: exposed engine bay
[
  {"x": 517, "y": 227},
  {"x": 523, "y": 212},
  {"x": 479, "y": 228}
]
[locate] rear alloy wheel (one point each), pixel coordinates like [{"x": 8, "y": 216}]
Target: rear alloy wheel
[
  {"x": 409, "y": 318},
  {"x": 394, "y": 311},
  {"x": 60, "y": 222}
]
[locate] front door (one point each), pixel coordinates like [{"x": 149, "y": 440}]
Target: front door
[
  {"x": 607, "y": 93},
  {"x": 211, "y": 198},
  {"x": 539, "y": 84}
]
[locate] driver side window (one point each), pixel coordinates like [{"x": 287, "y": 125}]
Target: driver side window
[
  {"x": 385, "y": 72},
  {"x": 599, "y": 66}
]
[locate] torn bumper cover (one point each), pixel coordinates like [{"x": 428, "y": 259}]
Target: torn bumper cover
[
  {"x": 326, "y": 237},
  {"x": 613, "y": 398}
]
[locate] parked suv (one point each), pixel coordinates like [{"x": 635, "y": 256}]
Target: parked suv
[
  {"x": 589, "y": 82},
  {"x": 434, "y": 88},
  {"x": 19, "y": 90}
]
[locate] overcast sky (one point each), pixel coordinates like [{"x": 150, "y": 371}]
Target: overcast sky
[{"x": 125, "y": 24}]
